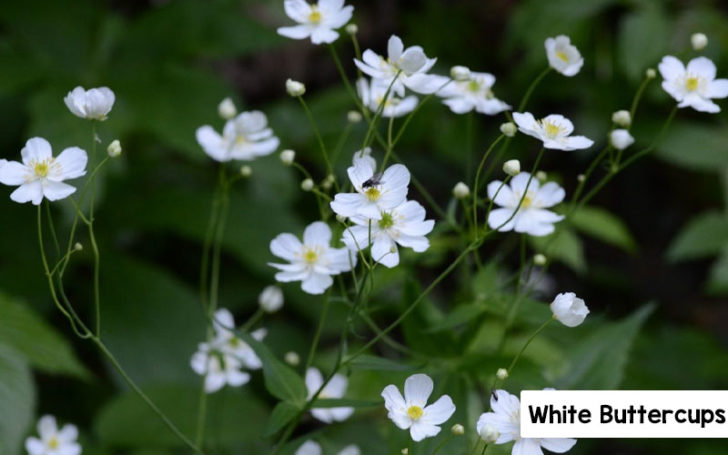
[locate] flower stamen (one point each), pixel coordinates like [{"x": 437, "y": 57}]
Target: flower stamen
[
  {"x": 372, "y": 194},
  {"x": 414, "y": 412},
  {"x": 315, "y": 15}
]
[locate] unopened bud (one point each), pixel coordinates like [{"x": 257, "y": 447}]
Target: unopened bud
[
  {"x": 460, "y": 190},
  {"x": 580, "y": 178},
  {"x": 699, "y": 41},
  {"x": 114, "y": 148},
  {"x": 457, "y": 429},
  {"x": 352, "y": 29},
  {"x": 246, "y": 171},
  {"x": 650, "y": 73},
  {"x": 622, "y": 118},
  {"x": 541, "y": 176},
  {"x": 512, "y": 167},
  {"x": 353, "y": 116},
  {"x": 307, "y": 185},
  {"x": 489, "y": 434},
  {"x": 501, "y": 374},
  {"x": 287, "y": 157},
  {"x": 405, "y": 451},
  {"x": 509, "y": 129},
  {"x": 77, "y": 246},
  {"x": 226, "y": 109},
  {"x": 341, "y": 218},
  {"x": 295, "y": 88},
  {"x": 460, "y": 73},
  {"x": 539, "y": 259},
  {"x": 271, "y": 299},
  {"x": 292, "y": 358},
  {"x": 620, "y": 139}
]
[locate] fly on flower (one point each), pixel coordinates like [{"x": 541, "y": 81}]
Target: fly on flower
[{"x": 318, "y": 21}]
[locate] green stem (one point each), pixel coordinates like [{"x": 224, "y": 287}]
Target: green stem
[
  {"x": 317, "y": 133},
  {"x": 476, "y": 184},
  {"x": 531, "y": 88},
  {"x": 530, "y": 339},
  {"x": 317, "y": 335},
  {"x": 92, "y": 236}
]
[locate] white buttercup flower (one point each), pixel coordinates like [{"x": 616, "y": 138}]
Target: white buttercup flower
[
  {"x": 372, "y": 96},
  {"x": 313, "y": 261},
  {"x": 92, "y": 104},
  {"x": 245, "y": 137},
  {"x": 474, "y": 92},
  {"x": 505, "y": 423},
  {"x": 53, "y": 441},
  {"x": 318, "y": 21},
  {"x": 553, "y": 130},
  {"x": 229, "y": 343},
  {"x": 532, "y": 217},
  {"x": 411, "y": 411},
  {"x": 375, "y": 192},
  {"x": 404, "y": 225},
  {"x": 271, "y": 299},
  {"x": 218, "y": 367},
  {"x": 563, "y": 56},
  {"x": 693, "y": 86},
  {"x": 336, "y": 388},
  {"x": 40, "y": 174},
  {"x": 411, "y": 63},
  {"x": 569, "y": 309},
  {"x": 313, "y": 448},
  {"x": 620, "y": 139}
]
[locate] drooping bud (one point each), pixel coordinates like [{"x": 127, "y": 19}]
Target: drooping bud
[
  {"x": 622, "y": 118},
  {"x": 307, "y": 185},
  {"x": 295, "y": 88},
  {"x": 699, "y": 41},
  {"x": 509, "y": 129},
  {"x": 287, "y": 157},
  {"x": 460, "y": 190},
  {"x": 460, "y": 73},
  {"x": 114, "y": 149},
  {"x": 512, "y": 167},
  {"x": 226, "y": 109}
]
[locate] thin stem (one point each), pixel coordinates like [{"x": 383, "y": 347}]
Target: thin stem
[
  {"x": 317, "y": 335},
  {"x": 409, "y": 117},
  {"x": 531, "y": 88},
  {"x": 530, "y": 339},
  {"x": 317, "y": 133},
  {"x": 476, "y": 184},
  {"x": 92, "y": 236}
]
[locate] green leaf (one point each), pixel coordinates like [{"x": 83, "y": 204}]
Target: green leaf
[
  {"x": 642, "y": 40},
  {"x": 564, "y": 246},
  {"x": 280, "y": 380},
  {"x": 43, "y": 347},
  {"x": 371, "y": 362},
  {"x": 604, "y": 226},
  {"x": 695, "y": 146},
  {"x": 704, "y": 236},
  {"x": 598, "y": 361},
  {"x": 17, "y": 400},
  {"x": 283, "y": 413},
  {"x": 718, "y": 276},
  {"x": 460, "y": 315}
]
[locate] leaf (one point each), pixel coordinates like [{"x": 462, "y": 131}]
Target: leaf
[
  {"x": 43, "y": 347},
  {"x": 718, "y": 276},
  {"x": 371, "y": 362},
  {"x": 460, "y": 315},
  {"x": 642, "y": 40},
  {"x": 695, "y": 146},
  {"x": 704, "y": 236},
  {"x": 17, "y": 400},
  {"x": 598, "y": 361},
  {"x": 604, "y": 226},
  {"x": 564, "y": 246},
  {"x": 283, "y": 413}
]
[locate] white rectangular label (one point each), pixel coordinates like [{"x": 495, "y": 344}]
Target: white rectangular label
[{"x": 624, "y": 414}]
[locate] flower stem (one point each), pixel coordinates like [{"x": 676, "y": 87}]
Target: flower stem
[
  {"x": 476, "y": 184},
  {"x": 316, "y": 133},
  {"x": 531, "y": 88},
  {"x": 317, "y": 335}
]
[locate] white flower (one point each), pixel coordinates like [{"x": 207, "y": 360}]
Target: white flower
[
  {"x": 569, "y": 309},
  {"x": 698, "y": 41},
  {"x": 411, "y": 411},
  {"x": 336, "y": 388},
  {"x": 318, "y": 21},
  {"x": 553, "y": 130},
  {"x": 218, "y": 367},
  {"x": 404, "y": 225},
  {"x": 622, "y": 118},
  {"x": 620, "y": 139},
  {"x": 53, "y": 441},
  {"x": 245, "y": 137},
  {"x": 295, "y": 88},
  {"x": 374, "y": 192},
  {"x": 93, "y": 104},
  {"x": 313, "y": 448},
  {"x": 226, "y": 109},
  {"x": 229, "y": 343},
  {"x": 313, "y": 261},
  {"x": 693, "y": 86},
  {"x": 271, "y": 299},
  {"x": 372, "y": 96},
  {"x": 505, "y": 421},
  {"x": 474, "y": 92},
  {"x": 412, "y": 62},
  {"x": 512, "y": 167},
  {"x": 460, "y": 190},
  {"x": 40, "y": 174},
  {"x": 563, "y": 56},
  {"x": 532, "y": 217}
]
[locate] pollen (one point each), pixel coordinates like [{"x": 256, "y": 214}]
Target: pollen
[
  {"x": 414, "y": 412},
  {"x": 239, "y": 139},
  {"x": 310, "y": 256},
  {"x": 234, "y": 342},
  {"x": 41, "y": 168},
  {"x": 474, "y": 86},
  {"x": 314, "y": 16},
  {"x": 53, "y": 443},
  {"x": 387, "y": 221},
  {"x": 561, "y": 55},
  {"x": 372, "y": 194},
  {"x": 692, "y": 83},
  {"x": 552, "y": 130}
]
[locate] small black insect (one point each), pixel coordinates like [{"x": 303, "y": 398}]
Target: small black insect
[
  {"x": 374, "y": 181},
  {"x": 494, "y": 395}
]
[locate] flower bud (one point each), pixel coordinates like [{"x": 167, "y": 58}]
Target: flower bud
[
  {"x": 287, "y": 157},
  {"x": 353, "y": 116},
  {"x": 328, "y": 182},
  {"x": 620, "y": 139},
  {"x": 226, "y": 109},
  {"x": 650, "y": 73},
  {"x": 512, "y": 167},
  {"x": 569, "y": 309},
  {"x": 501, "y": 374},
  {"x": 509, "y": 129},
  {"x": 539, "y": 259},
  {"x": 699, "y": 41},
  {"x": 489, "y": 434},
  {"x": 292, "y": 358},
  {"x": 541, "y": 176},
  {"x": 114, "y": 148},
  {"x": 622, "y": 118},
  {"x": 271, "y": 299},
  {"x": 307, "y": 185},
  {"x": 341, "y": 218},
  {"x": 457, "y": 429},
  {"x": 460, "y": 73},
  {"x": 295, "y": 88},
  {"x": 405, "y": 451},
  {"x": 460, "y": 190},
  {"x": 352, "y": 29},
  {"x": 246, "y": 171},
  {"x": 77, "y": 246}
]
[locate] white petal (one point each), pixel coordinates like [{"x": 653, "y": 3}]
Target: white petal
[
  {"x": 392, "y": 398},
  {"x": 295, "y": 32},
  {"x": 577, "y": 143},
  {"x": 500, "y": 193},
  {"x": 317, "y": 233},
  {"x": 237, "y": 378},
  {"x": 384, "y": 251},
  {"x": 567, "y": 127},
  {"x": 338, "y": 18},
  {"x": 526, "y": 447},
  {"x": 37, "y": 149},
  {"x": 285, "y": 246},
  {"x": 702, "y": 66},
  {"x": 418, "y": 244},
  {"x": 214, "y": 382},
  {"x": 549, "y": 195},
  {"x": 439, "y": 411},
  {"x": 317, "y": 283},
  {"x": 526, "y": 123},
  {"x": 223, "y": 320},
  {"x": 309, "y": 448},
  {"x": 718, "y": 89},
  {"x": 73, "y": 163},
  {"x": 558, "y": 445},
  {"x": 341, "y": 413},
  {"x": 314, "y": 379},
  {"x": 671, "y": 68},
  {"x": 35, "y": 446},
  {"x": 417, "y": 389},
  {"x": 502, "y": 219},
  {"x": 13, "y": 173},
  {"x": 522, "y": 183},
  {"x": 336, "y": 388},
  {"x": 459, "y": 105},
  {"x": 421, "y": 430},
  {"x": 28, "y": 192},
  {"x": 394, "y": 48},
  {"x": 504, "y": 403},
  {"x": 323, "y": 35},
  {"x": 212, "y": 143},
  {"x": 298, "y": 10},
  {"x": 288, "y": 276}
]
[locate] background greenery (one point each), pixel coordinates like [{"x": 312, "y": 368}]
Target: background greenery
[{"x": 658, "y": 233}]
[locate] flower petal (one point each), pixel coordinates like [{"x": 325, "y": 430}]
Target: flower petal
[
  {"x": 702, "y": 66},
  {"x": 28, "y": 192},
  {"x": 671, "y": 68},
  {"x": 37, "y": 149},
  {"x": 439, "y": 411},
  {"x": 286, "y": 246},
  {"x": 317, "y": 283},
  {"x": 558, "y": 445},
  {"x": 13, "y": 173},
  {"x": 72, "y": 162},
  {"x": 417, "y": 389},
  {"x": 317, "y": 233}
]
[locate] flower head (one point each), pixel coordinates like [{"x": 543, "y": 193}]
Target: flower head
[
  {"x": 218, "y": 367},
  {"x": 317, "y": 21},
  {"x": 569, "y": 309},
  {"x": 620, "y": 139},
  {"x": 473, "y": 93},
  {"x": 372, "y": 94},
  {"x": 53, "y": 441},
  {"x": 92, "y": 104},
  {"x": 336, "y": 388},
  {"x": 693, "y": 86},
  {"x": 504, "y": 425},
  {"x": 411, "y": 411},
  {"x": 244, "y": 137},
  {"x": 553, "y": 130},
  {"x": 40, "y": 174},
  {"x": 531, "y": 217},
  {"x": 313, "y": 261},
  {"x": 563, "y": 56}
]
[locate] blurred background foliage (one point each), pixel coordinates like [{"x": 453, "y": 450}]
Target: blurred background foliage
[{"x": 658, "y": 232}]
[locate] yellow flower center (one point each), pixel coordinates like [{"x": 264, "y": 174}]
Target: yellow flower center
[
  {"x": 239, "y": 139},
  {"x": 315, "y": 15},
  {"x": 310, "y": 256},
  {"x": 692, "y": 83},
  {"x": 41, "y": 168},
  {"x": 53, "y": 443},
  {"x": 528, "y": 200},
  {"x": 387, "y": 221},
  {"x": 561, "y": 55},
  {"x": 234, "y": 342},
  {"x": 414, "y": 412},
  {"x": 552, "y": 130},
  {"x": 473, "y": 86},
  {"x": 372, "y": 194}
]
